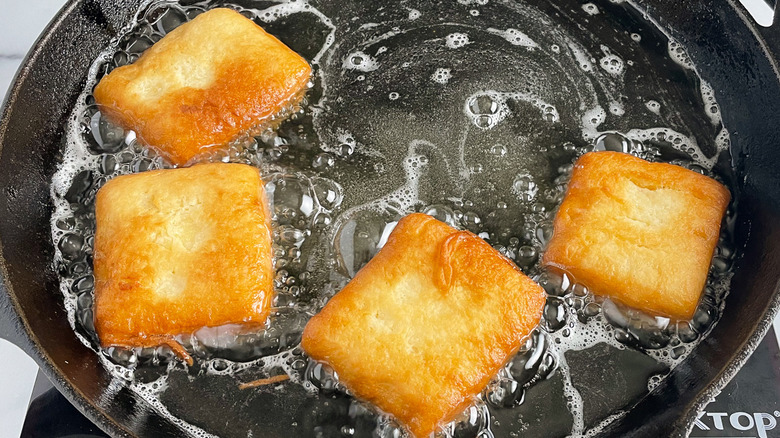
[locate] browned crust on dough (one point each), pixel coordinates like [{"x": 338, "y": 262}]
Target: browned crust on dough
[
  {"x": 425, "y": 325},
  {"x": 181, "y": 249},
  {"x": 639, "y": 232},
  {"x": 248, "y": 76}
]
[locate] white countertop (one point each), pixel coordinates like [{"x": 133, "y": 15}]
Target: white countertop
[{"x": 20, "y": 24}]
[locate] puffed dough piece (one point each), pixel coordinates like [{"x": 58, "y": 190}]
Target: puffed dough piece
[
  {"x": 639, "y": 232},
  {"x": 425, "y": 325},
  {"x": 181, "y": 249},
  {"x": 203, "y": 84}
]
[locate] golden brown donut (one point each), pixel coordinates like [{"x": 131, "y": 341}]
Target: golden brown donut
[
  {"x": 181, "y": 249},
  {"x": 639, "y": 232},
  {"x": 425, "y": 325},
  {"x": 203, "y": 84}
]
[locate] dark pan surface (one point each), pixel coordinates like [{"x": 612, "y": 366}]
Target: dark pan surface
[{"x": 728, "y": 52}]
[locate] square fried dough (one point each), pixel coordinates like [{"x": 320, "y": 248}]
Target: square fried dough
[
  {"x": 639, "y": 232},
  {"x": 181, "y": 249},
  {"x": 425, "y": 325},
  {"x": 203, "y": 84}
]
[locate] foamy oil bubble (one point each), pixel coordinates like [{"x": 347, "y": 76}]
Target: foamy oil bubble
[
  {"x": 534, "y": 363},
  {"x": 486, "y": 109},
  {"x": 360, "y": 61},
  {"x": 653, "y": 106},
  {"x": 579, "y": 336},
  {"x": 574, "y": 402},
  {"x": 653, "y": 382},
  {"x": 616, "y": 108},
  {"x": 723, "y": 140},
  {"x": 597, "y": 429},
  {"x": 591, "y": 120},
  {"x": 590, "y": 9},
  {"x": 366, "y": 26},
  {"x": 441, "y": 75},
  {"x": 611, "y": 63},
  {"x": 474, "y": 421},
  {"x": 676, "y": 140},
  {"x": 456, "y": 40},
  {"x": 72, "y": 232},
  {"x": 584, "y": 320},
  {"x": 515, "y": 37},
  {"x": 584, "y": 60},
  {"x": 524, "y": 187},
  {"x": 712, "y": 109},
  {"x": 596, "y": 319},
  {"x": 343, "y": 145},
  {"x": 678, "y": 54},
  {"x": 150, "y": 392}
]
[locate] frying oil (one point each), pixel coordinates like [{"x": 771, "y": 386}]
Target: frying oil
[{"x": 472, "y": 112}]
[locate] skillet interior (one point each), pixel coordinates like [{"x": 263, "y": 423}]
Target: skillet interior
[{"x": 721, "y": 43}]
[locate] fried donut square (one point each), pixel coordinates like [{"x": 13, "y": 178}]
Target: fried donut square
[
  {"x": 425, "y": 325},
  {"x": 203, "y": 84},
  {"x": 181, "y": 249},
  {"x": 641, "y": 233}
]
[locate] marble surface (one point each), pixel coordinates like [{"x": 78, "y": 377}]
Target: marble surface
[{"x": 20, "y": 24}]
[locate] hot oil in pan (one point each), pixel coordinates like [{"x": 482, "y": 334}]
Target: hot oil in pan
[{"x": 472, "y": 111}]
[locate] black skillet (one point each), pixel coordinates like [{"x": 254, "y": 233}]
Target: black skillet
[{"x": 737, "y": 57}]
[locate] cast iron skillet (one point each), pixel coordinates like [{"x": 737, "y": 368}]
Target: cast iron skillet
[{"x": 738, "y": 58}]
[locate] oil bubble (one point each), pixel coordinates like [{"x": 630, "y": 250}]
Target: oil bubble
[
  {"x": 323, "y": 161},
  {"x": 613, "y": 142},
  {"x": 590, "y": 8},
  {"x": 456, "y": 40},
  {"x": 360, "y": 61},
  {"x": 524, "y": 187},
  {"x": 498, "y": 150},
  {"x": 71, "y": 246},
  {"x": 653, "y": 106},
  {"x": 105, "y": 136},
  {"x": 486, "y": 109},
  {"x": 328, "y": 192},
  {"x": 441, "y": 213},
  {"x": 515, "y": 37},
  {"x": 441, "y": 75},
  {"x": 611, "y": 63},
  {"x": 359, "y": 238}
]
